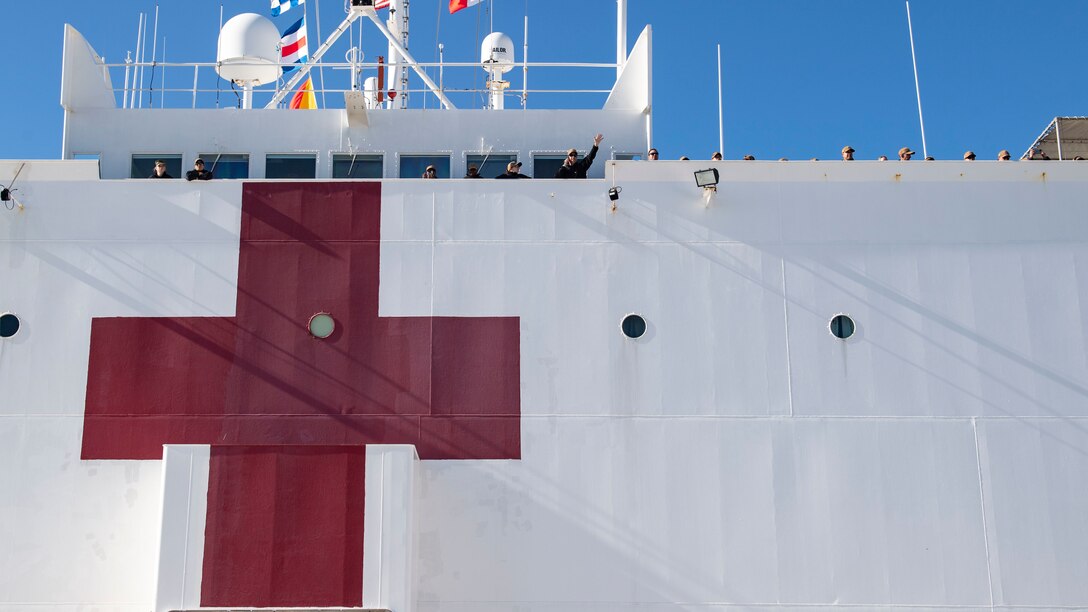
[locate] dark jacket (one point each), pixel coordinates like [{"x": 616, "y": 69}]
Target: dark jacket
[
  {"x": 198, "y": 175},
  {"x": 511, "y": 175},
  {"x": 164, "y": 175},
  {"x": 579, "y": 168}
]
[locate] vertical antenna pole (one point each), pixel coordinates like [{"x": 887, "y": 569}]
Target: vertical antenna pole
[
  {"x": 721, "y": 119},
  {"x": 162, "y": 81},
  {"x": 128, "y": 69},
  {"x": 621, "y": 36},
  {"x": 131, "y": 93},
  {"x": 143, "y": 58},
  {"x": 1058, "y": 135},
  {"x": 154, "y": 54},
  {"x": 917, "y": 88},
  {"x": 218, "y": 48},
  {"x": 320, "y": 69},
  {"x": 525, "y": 66}
]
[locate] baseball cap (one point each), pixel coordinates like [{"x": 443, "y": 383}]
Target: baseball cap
[
  {"x": 969, "y": 155},
  {"x": 905, "y": 150},
  {"x": 514, "y": 165},
  {"x": 198, "y": 161},
  {"x": 848, "y": 148}
]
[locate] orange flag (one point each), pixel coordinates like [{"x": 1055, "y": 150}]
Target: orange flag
[{"x": 304, "y": 97}]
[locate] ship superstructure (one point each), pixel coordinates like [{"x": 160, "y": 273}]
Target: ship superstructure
[{"x": 796, "y": 386}]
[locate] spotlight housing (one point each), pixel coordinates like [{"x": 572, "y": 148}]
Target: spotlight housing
[
  {"x": 614, "y": 193},
  {"x": 707, "y": 179}
]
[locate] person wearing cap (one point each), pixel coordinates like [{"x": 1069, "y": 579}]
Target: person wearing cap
[
  {"x": 430, "y": 173},
  {"x": 882, "y": 158},
  {"x": 717, "y": 156},
  {"x": 198, "y": 173},
  {"x": 652, "y": 155},
  {"x": 160, "y": 170},
  {"x": 573, "y": 167},
  {"x": 473, "y": 172},
  {"x": 969, "y": 156},
  {"x": 848, "y": 153},
  {"x": 749, "y": 158},
  {"x": 905, "y": 153},
  {"x": 1004, "y": 155},
  {"x": 513, "y": 171}
]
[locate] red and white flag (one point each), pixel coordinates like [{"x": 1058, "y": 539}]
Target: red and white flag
[
  {"x": 293, "y": 46},
  {"x": 381, "y": 4},
  {"x": 456, "y": 5}
]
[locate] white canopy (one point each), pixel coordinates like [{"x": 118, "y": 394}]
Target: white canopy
[{"x": 1064, "y": 138}]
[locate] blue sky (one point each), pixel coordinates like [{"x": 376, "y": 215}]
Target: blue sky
[{"x": 801, "y": 77}]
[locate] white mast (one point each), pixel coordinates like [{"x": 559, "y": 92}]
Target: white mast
[
  {"x": 621, "y": 36},
  {"x": 398, "y": 27},
  {"x": 721, "y": 116},
  {"x": 917, "y": 87}
]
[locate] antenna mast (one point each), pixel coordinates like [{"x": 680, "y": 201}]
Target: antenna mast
[
  {"x": 621, "y": 36},
  {"x": 917, "y": 88},
  {"x": 721, "y": 117}
]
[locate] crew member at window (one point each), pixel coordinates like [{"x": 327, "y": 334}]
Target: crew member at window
[
  {"x": 573, "y": 167},
  {"x": 198, "y": 173},
  {"x": 160, "y": 170},
  {"x": 513, "y": 171}
]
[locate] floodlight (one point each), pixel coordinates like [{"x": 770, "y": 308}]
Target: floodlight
[
  {"x": 5, "y": 194},
  {"x": 614, "y": 193},
  {"x": 707, "y": 179}
]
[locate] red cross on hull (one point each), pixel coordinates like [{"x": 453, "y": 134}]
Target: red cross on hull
[{"x": 258, "y": 387}]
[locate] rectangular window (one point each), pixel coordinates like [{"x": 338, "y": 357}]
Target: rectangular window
[
  {"x": 290, "y": 166},
  {"x": 143, "y": 166},
  {"x": 412, "y": 166},
  {"x": 546, "y": 165},
  {"x": 226, "y": 165},
  {"x": 628, "y": 156},
  {"x": 345, "y": 166},
  {"x": 490, "y": 165}
]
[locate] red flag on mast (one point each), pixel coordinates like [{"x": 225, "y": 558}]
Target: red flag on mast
[{"x": 456, "y": 5}]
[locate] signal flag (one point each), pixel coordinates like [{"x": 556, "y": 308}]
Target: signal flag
[{"x": 456, "y": 5}]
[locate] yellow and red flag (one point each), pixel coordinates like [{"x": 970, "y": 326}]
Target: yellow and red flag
[{"x": 304, "y": 97}]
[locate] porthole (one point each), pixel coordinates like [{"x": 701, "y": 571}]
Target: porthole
[
  {"x": 9, "y": 325},
  {"x": 321, "y": 325},
  {"x": 842, "y": 326},
  {"x": 633, "y": 326}
]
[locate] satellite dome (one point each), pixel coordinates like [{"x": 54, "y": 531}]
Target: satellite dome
[
  {"x": 249, "y": 50},
  {"x": 497, "y": 49}
]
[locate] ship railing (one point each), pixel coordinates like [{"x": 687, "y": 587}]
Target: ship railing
[{"x": 198, "y": 85}]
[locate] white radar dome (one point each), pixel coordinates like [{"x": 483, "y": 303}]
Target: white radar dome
[
  {"x": 497, "y": 49},
  {"x": 249, "y": 50}
]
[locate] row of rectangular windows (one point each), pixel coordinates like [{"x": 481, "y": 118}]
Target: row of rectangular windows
[{"x": 344, "y": 166}]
